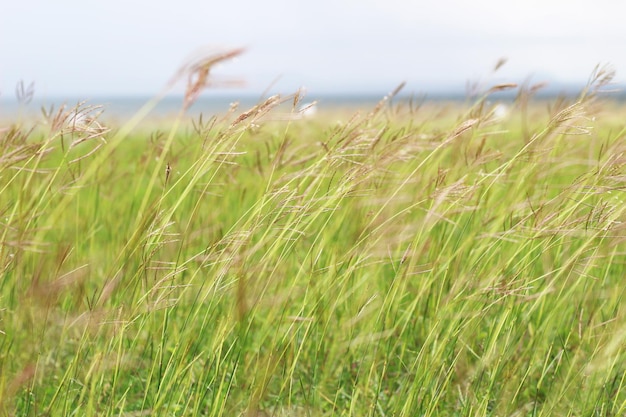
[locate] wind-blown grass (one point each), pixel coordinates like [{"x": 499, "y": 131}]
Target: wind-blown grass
[{"x": 391, "y": 263}]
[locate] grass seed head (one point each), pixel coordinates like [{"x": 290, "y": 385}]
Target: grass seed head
[{"x": 199, "y": 70}]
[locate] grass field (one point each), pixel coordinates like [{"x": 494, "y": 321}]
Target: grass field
[{"x": 402, "y": 260}]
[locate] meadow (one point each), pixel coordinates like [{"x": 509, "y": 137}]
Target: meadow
[{"x": 408, "y": 259}]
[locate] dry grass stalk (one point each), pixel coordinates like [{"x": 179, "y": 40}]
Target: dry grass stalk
[
  {"x": 24, "y": 94},
  {"x": 81, "y": 122},
  {"x": 387, "y": 98},
  {"x": 502, "y": 87},
  {"x": 460, "y": 129},
  {"x": 198, "y": 73},
  {"x": 500, "y": 63},
  {"x": 258, "y": 110}
]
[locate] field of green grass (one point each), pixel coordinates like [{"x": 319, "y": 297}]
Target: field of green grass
[{"x": 409, "y": 259}]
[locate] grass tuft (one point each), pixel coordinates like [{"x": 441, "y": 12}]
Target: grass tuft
[{"x": 404, "y": 260}]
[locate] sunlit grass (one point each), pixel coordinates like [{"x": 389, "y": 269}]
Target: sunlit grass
[{"x": 407, "y": 260}]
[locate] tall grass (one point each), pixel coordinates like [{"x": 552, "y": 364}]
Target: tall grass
[{"x": 402, "y": 261}]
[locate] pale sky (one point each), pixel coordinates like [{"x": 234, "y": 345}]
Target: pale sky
[{"x": 132, "y": 47}]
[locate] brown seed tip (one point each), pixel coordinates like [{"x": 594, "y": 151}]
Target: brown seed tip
[
  {"x": 198, "y": 72},
  {"x": 500, "y": 63},
  {"x": 502, "y": 87}
]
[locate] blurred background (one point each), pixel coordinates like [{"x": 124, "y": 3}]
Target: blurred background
[{"x": 130, "y": 49}]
